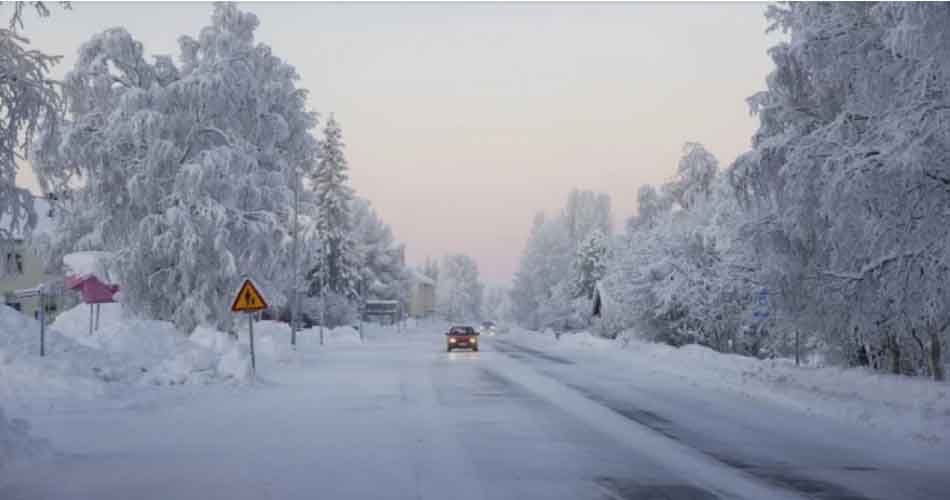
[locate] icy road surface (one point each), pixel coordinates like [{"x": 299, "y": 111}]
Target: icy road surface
[{"x": 398, "y": 418}]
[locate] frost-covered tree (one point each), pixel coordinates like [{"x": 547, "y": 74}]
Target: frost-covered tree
[
  {"x": 459, "y": 293},
  {"x": 431, "y": 269},
  {"x": 183, "y": 171},
  {"x": 545, "y": 264},
  {"x": 497, "y": 305},
  {"x": 544, "y": 292},
  {"x": 384, "y": 275},
  {"x": 29, "y": 105},
  {"x": 694, "y": 175},
  {"x": 586, "y": 212},
  {"x": 338, "y": 266},
  {"x": 590, "y": 264},
  {"x": 850, "y": 168}
]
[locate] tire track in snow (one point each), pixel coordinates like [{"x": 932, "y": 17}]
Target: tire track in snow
[
  {"x": 781, "y": 476},
  {"x": 698, "y": 471}
]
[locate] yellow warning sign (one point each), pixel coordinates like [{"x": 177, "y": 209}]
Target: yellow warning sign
[{"x": 248, "y": 299}]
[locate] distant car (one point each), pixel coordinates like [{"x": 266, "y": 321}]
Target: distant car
[
  {"x": 464, "y": 337},
  {"x": 488, "y": 327}
]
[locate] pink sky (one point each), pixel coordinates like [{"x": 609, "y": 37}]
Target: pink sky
[{"x": 463, "y": 120}]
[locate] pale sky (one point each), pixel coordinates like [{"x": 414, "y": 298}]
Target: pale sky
[{"x": 463, "y": 120}]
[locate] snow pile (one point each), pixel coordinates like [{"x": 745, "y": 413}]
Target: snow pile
[
  {"x": 584, "y": 340},
  {"x": 271, "y": 340},
  {"x": 904, "y": 406},
  {"x": 16, "y": 443},
  {"x": 341, "y": 335},
  {"x": 69, "y": 369},
  {"x": 153, "y": 352},
  {"x": 207, "y": 355}
]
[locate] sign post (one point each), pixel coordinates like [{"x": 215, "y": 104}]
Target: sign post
[
  {"x": 42, "y": 322},
  {"x": 248, "y": 300}
]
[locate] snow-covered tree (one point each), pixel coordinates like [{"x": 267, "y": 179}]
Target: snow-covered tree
[
  {"x": 29, "y": 105},
  {"x": 384, "y": 275},
  {"x": 850, "y": 169},
  {"x": 497, "y": 305},
  {"x": 338, "y": 266},
  {"x": 431, "y": 269},
  {"x": 182, "y": 170},
  {"x": 459, "y": 293},
  {"x": 586, "y": 212},
  {"x": 590, "y": 264},
  {"x": 694, "y": 175},
  {"x": 545, "y": 263}
]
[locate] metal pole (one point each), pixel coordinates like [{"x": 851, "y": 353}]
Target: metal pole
[
  {"x": 250, "y": 329},
  {"x": 42, "y": 324},
  {"x": 293, "y": 301},
  {"x": 97, "y": 316},
  {"x": 797, "y": 356},
  {"x": 323, "y": 288},
  {"x": 90, "y": 319}
]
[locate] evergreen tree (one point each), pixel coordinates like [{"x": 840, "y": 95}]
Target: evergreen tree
[{"x": 338, "y": 262}]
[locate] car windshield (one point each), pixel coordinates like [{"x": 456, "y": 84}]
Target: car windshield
[{"x": 461, "y": 330}]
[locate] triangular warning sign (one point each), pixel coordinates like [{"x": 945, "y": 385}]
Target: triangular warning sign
[{"x": 248, "y": 298}]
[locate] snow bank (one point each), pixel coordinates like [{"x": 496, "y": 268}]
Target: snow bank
[
  {"x": 124, "y": 351},
  {"x": 903, "y": 406},
  {"x": 16, "y": 443},
  {"x": 343, "y": 335},
  {"x": 69, "y": 369},
  {"x": 271, "y": 340}
]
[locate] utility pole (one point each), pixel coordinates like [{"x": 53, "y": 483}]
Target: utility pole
[
  {"x": 323, "y": 287},
  {"x": 294, "y": 303}
]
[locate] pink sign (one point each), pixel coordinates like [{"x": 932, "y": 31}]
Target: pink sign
[{"x": 92, "y": 290}]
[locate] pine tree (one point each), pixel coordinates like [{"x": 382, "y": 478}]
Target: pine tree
[{"x": 338, "y": 267}]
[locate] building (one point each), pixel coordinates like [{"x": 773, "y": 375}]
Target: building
[
  {"x": 22, "y": 272},
  {"x": 421, "y": 295}
]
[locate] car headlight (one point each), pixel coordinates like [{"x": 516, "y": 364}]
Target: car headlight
[{"x": 452, "y": 341}]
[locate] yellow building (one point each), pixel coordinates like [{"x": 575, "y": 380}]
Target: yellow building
[{"x": 22, "y": 274}]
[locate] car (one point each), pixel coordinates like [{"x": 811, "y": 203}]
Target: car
[
  {"x": 488, "y": 327},
  {"x": 461, "y": 337}
]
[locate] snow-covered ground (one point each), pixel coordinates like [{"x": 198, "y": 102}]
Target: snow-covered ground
[
  {"x": 393, "y": 416},
  {"x": 912, "y": 408}
]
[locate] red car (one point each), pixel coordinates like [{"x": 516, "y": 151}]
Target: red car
[{"x": 464, "y": 337}]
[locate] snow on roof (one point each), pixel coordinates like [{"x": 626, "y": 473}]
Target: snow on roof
[
  {"x": 44, "y": 222},
  {"x": 85, "y": 263},
  {"x": 421, "y": 278}
]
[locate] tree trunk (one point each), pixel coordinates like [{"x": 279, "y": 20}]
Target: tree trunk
[
  {"x": 936, "y": 364},
  {"x": 894, "y": 349},
  {"x": 922, "y": 347}
]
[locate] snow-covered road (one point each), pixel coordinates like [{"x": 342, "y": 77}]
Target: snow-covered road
[{"x": 400, "y": 418}]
